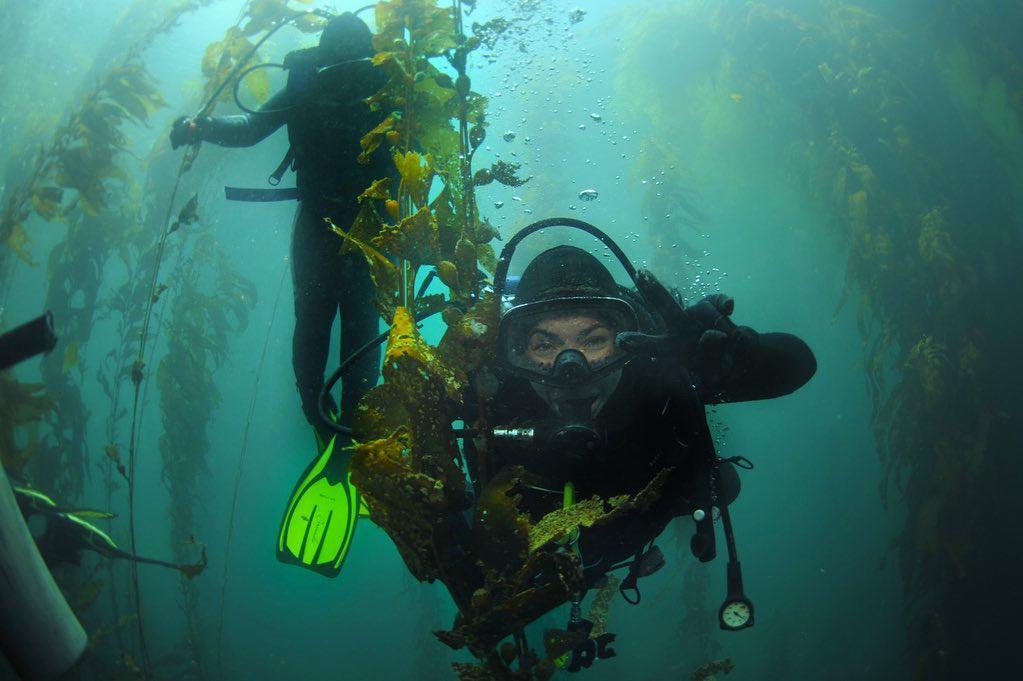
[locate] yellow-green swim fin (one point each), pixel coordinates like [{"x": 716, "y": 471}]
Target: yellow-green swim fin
[{"x": 321, "y": 515}]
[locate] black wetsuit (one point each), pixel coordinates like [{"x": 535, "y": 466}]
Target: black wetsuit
[
  {"x": 654, "y": 420},
  {"x": 326, "y": 117}
]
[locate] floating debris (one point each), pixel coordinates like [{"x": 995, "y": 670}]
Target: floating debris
[
  {"x": 498, "y": 204},
  {"x": 576, "y": 15},
  {"x": 588, "y": 194},
  {"x": 508, "y": 136}
]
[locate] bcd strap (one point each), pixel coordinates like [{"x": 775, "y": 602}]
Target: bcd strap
[
  {"x": 260, "y": 195},
  {"x": 631, "y": 581},
  {"x": 282, "y": 167}
]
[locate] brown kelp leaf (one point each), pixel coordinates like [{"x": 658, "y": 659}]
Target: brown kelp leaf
[
  {"x": 708, "y": 671},
  {"x": 500, "y": 531},
  {"x": 414, "y": 238},
  {"x": 382, "y": 271},
  {"x": 137, "y": 371},
  {"x": 448, "y": 274},
  {"x": 561, "y": 577},
  {"x": 467, "y": 671},
  {"x": 404, "y": 502},
  {"x": 113, "y": 453},
  {"x": 191, "y": 571},
  {"x": 46, "y": 201},
  {"x": 483, "y": 177},
  {"x": 601, "y": 604},
  {"x": 158, "y": 292},
  {"x": 507, "y": 174},
  {"x": 469, "y": 343},
  {"x": 487, "y": 257},
  {"x": 372, "y": 140},
  {"x": 379, "y": 414},
  {"x": 380, "y": 189}
]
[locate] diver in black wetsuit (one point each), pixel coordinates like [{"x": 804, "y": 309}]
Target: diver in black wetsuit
[
  {"x": 603, "y": 391},
  {"x": 323, "y": 109}
]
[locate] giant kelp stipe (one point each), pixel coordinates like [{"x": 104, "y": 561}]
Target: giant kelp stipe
[{"x": 850, "y": 172}]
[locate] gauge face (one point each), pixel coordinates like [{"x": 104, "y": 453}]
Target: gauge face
[{"x": 736, "y": 614}]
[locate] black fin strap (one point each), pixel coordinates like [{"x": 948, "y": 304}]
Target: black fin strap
[{"x": 740, "y": 461}]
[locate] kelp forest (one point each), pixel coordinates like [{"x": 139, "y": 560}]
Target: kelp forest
[{"x": 851, "y": 173}]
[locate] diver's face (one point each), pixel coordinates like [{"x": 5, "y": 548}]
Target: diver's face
[{"x": 555, "y": 333}]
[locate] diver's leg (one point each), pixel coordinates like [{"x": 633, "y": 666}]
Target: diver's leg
[
  {"x": 313, "y": 274},
  {"x": 359, "y": 325}
]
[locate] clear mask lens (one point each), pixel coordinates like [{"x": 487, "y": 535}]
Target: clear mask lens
[{"x": 566, "y": 340}]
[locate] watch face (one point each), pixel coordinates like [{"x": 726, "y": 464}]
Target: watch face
[{"x": 736, "y": 614}]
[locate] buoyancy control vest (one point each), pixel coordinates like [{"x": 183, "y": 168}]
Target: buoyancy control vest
[{"x": 328, "y": 121}]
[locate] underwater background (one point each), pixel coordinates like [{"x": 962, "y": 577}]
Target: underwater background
[{"x": 849, "y": 173}]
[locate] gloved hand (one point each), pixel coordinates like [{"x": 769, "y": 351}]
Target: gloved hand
[
  {"x": 702, "y": 336},
  {"x": 682, "y": 331},
  {"x": 187, "y": 131}
]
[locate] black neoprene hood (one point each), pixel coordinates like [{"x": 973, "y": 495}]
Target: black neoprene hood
[
  {"x": 347, "y": 36},
  {"x": 564, "y": 271}
]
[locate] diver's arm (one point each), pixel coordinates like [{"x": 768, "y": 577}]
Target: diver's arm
[
  {"x": 241, "y": 130},
  {"x": 246, "y": 130},
  {"x": 755, "y": 366}
]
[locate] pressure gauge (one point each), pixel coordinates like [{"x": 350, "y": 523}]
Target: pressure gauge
[{"x": 736, "y": 613}]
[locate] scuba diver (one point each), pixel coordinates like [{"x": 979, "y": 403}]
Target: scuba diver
[
  {"x": 323, "y": 109},
  {"x": 602, "y": 390}
]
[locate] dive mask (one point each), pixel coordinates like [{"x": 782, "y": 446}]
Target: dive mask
[{"x": 567, "y": 342}]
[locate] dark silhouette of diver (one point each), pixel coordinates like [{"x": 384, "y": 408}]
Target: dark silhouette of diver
[{"x": 323, "y": 109}]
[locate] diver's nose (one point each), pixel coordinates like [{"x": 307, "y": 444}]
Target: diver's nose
[{"x": 570, "y": 366}]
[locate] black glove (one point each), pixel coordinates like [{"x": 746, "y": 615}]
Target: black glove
[
  {"x": 187, "y": 131},
  {"x": 683, "y": 331},
  {"x": 702, "y": 336}
]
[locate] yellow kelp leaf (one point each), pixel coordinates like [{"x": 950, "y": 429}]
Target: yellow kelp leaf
[
  {"x": 405, "y": 346},
  {"x": 562, "y": 522},
  {"x": 382, "y": 271},
  {"x": 449, "y": 226},
  {"x": 265, "y": 14},
  {"x": 70, "y": 357},
  {"x": 433, "y": 92},
  {"x": 393, "y": 65},
  {"x": 18, "y": 241},
  {"x": 258, "y": 84},
  {"x": 434, "y": 31},
  {"x": 487, "y": 257},
  {"x": 372, "y": 139},
  {"x": 440, "y": 141},
  {"x": 364, "y": 228},
  {"x": 46, "y": 201},
  {"x": 414, "y": 238},
  {"x": 380, "y": 189},
  {"x": 416, "y": 173},
  {"x": 390, "y": 25},
  {"x": 310, "y": 23}
]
